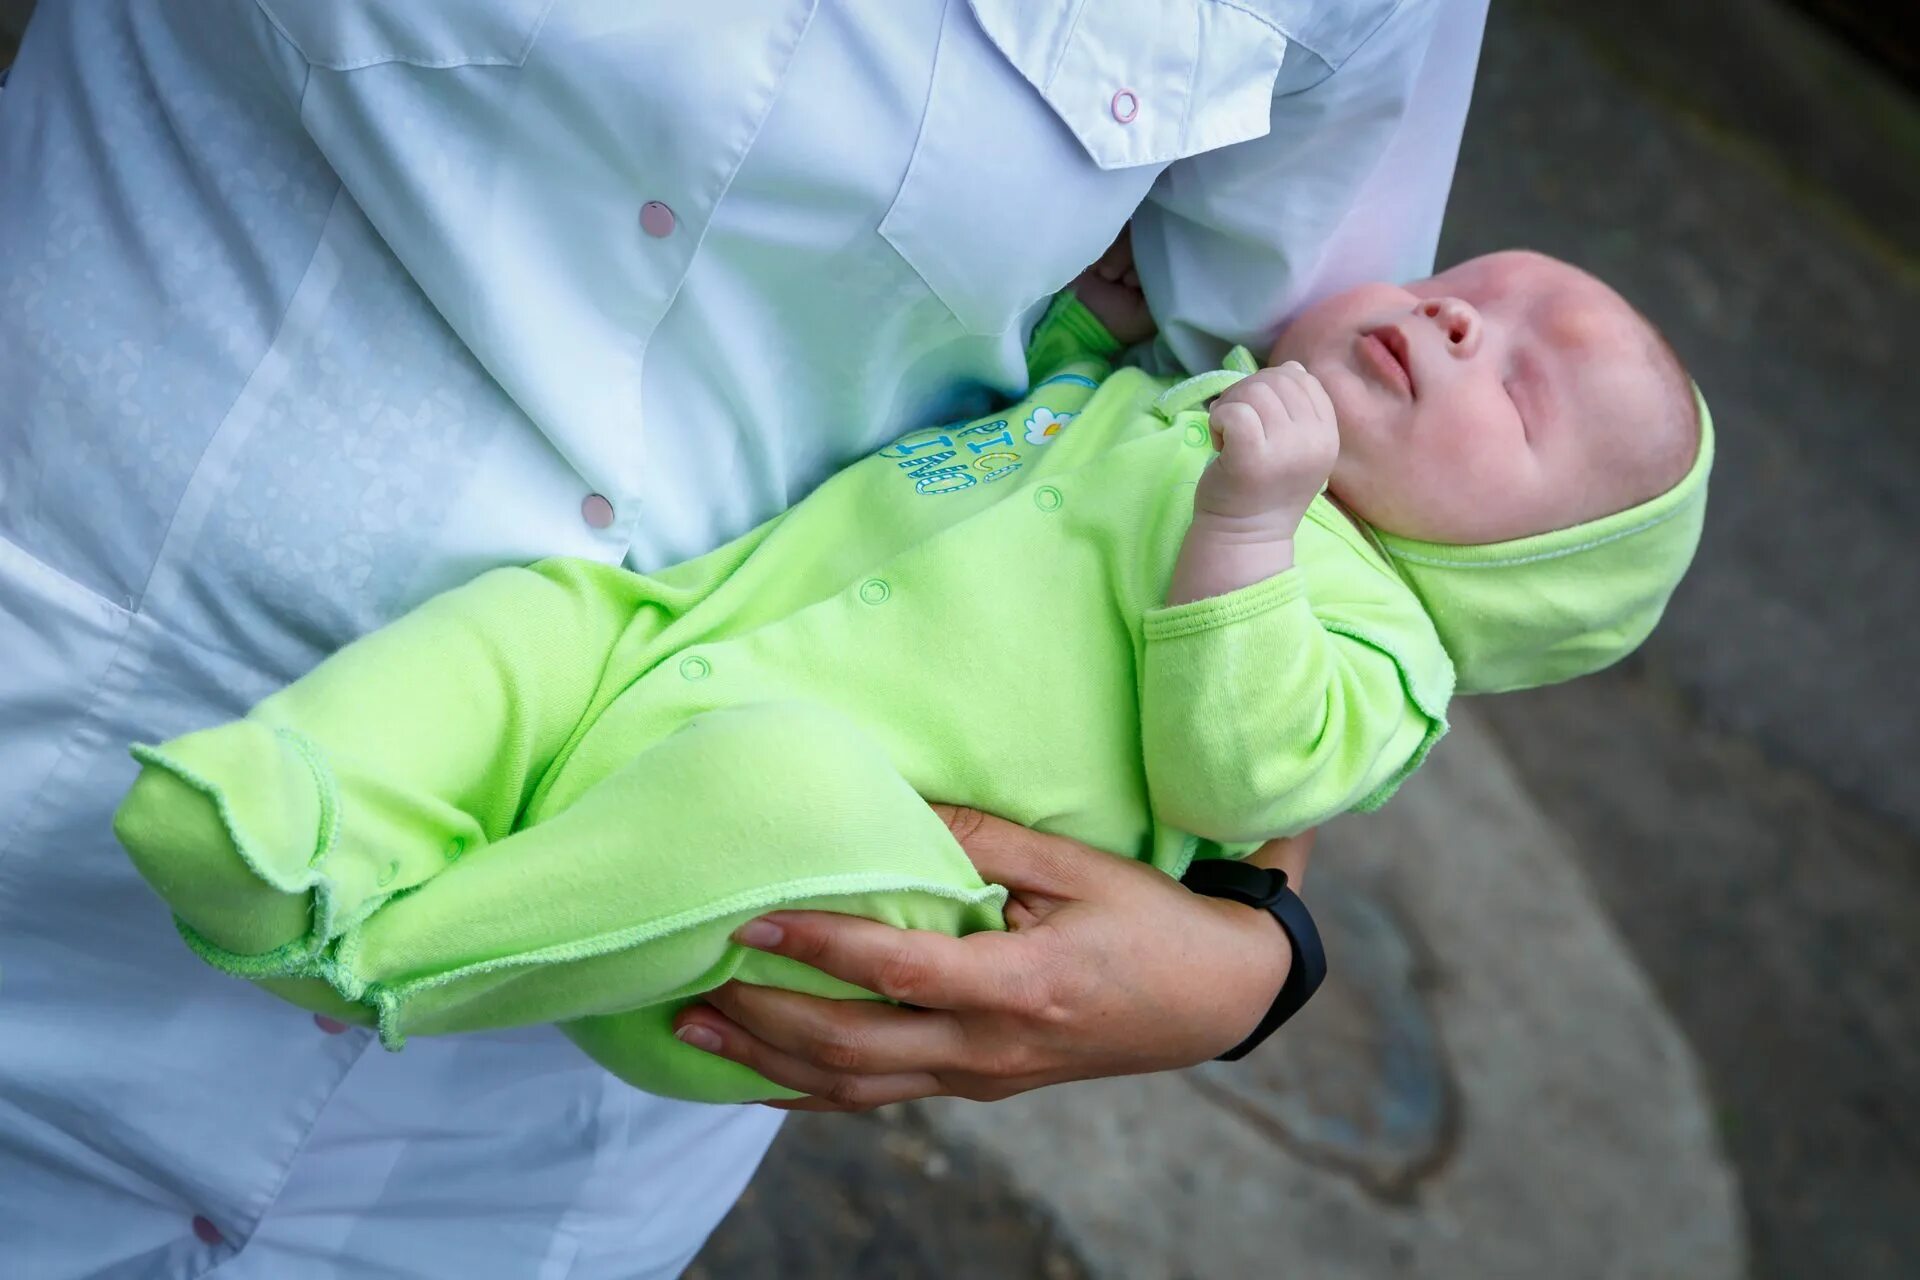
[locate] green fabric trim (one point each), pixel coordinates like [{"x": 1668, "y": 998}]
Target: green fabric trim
[
  {"x": 256, "y": 861},
  {"x": 1218, "y": 611},
  {"x": 1196, "y": 390},
  {"x": 1074, "y": 316},
  {"x": 1068, "y": 334},
  {"x": 389, "y": 998}
]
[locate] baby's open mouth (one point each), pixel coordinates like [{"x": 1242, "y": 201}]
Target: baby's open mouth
[{"x": 1385, "y": 351}]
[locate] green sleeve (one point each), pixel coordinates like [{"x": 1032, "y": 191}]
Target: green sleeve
[
  {"x": 1259, "y": 720},
  {"x": 403, "y": 752},
  {"x": 1069, "y": 337}
]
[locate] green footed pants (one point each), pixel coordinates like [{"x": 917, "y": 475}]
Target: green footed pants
[{"x": 374, "y": 842}]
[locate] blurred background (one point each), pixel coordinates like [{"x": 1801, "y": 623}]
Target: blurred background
[{"x": 1623, "y": 979}]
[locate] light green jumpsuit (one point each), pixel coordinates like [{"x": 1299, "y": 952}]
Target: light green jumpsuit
[{"x": 550, "y": 794}]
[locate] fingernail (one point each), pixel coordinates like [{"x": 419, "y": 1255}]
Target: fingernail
[
  {"x": 759, "y": 933},
  {"x": 699, "y": 1037}
]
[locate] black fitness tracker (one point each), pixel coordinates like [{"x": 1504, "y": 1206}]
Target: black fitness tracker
[{"x": 1267, "y": 889}]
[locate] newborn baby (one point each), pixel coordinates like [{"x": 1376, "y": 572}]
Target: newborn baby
[{"x": 552, "y": 793}]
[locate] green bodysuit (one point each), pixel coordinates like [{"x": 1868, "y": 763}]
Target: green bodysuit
[{"x": 549, "y": 795}]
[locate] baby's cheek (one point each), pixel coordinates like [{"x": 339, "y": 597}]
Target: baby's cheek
[{"x": 1361, "y": 417}]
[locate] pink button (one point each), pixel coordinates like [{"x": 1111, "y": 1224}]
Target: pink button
[
  {"x": 332, "y": 1026},
  {"x": 1126, "y": 105},
  {"x": 656, "y": 219},
  {"x": 208, "y": 1233},
  {"x": 596, "y": 511}
]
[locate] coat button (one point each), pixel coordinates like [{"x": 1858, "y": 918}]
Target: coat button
[
  {"x": 1126, "y": 105},
  {"x": 1047, "y": 498},
  {"x": 1197, "y": 435},
  {"x": 656, "y": 219},
  {"x": 596, "y": 511},
  {"x": 875, "y": 591},
  {"x": 204, "y": 1229},
  {"x": 694, "y": 668}
]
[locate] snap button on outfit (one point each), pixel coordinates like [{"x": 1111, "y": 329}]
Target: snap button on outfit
[
  {"x": 1196, "y": 434},
  {"x": 1047, "y": 498},
  {"x": 332, "y": 1026},
  {"x": 656, "y": 219},
  {"x": 208, "y": 1233},
  {"x": 874, "y": 591},
  {"x": 596, "y": 511},
  {"x": 455, "y": 847},
  {"x": 694, "y": 667},
  {"x": 1126, "y": 105}
]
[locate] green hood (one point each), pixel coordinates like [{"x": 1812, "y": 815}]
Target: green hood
[{"x": 1557, "y": 605}]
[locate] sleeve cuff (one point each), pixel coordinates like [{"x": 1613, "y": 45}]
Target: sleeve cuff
[
  {"x": 1078, "y": 321},
  {"x": 1171, "y": 621}
]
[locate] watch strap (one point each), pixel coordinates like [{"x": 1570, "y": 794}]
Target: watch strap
[{"x": 1267, "y": 889}]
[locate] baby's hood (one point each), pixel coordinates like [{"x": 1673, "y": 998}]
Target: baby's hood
[{"x": 1557, "y": 605}]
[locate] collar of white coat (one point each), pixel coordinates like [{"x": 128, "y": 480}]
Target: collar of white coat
[{"x": 1152, "y": 81}]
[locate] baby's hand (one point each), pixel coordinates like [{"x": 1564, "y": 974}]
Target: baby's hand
[{"x": 1277, "y": 439}]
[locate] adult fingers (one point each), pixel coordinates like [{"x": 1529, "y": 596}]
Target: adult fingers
[
  {"x": 861, "y": 1037},
  {"x": 981, "y": 971},
  {"x": 1025, "y": 860},
  {"x": 1287, "y": 853},
  {"x": 841, "y": 1091},
  {"x": 1118, "y": 259}
]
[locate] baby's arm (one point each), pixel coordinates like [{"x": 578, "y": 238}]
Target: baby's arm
[
  {"x": 1261, "y": 716},
  {"x": 1277, "y": 440}
]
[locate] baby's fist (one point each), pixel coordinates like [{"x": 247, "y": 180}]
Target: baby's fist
[{"x": 1277, "y": 439}]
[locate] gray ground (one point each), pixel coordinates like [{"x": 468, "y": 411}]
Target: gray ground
[{"x": 1739, "y": 797}]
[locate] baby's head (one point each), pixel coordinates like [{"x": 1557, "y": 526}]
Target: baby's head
[
  {"x": 1528, "y": 451},
  {"x": 1510, "y": 395}
]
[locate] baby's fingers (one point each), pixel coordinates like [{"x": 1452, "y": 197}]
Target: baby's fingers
[
  {"x": 1234, "y": 423},
  {"x": 1291, "y": 388},
  {"x": 1321, "y": 400}
]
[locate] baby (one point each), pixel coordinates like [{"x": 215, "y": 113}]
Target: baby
[{"x": 552, "y": 793}]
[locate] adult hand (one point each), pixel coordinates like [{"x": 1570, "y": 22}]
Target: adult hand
[
  {"x": 1107, "y": 968},
  {"x": 1110, "y": 288}
]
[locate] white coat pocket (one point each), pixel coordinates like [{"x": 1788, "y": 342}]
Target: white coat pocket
[
  {"x": 1047, "y": 123},
  {"x": 343, "y": 35}
]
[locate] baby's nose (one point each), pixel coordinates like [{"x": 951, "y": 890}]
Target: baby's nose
[{"x": 1458, "y": 321}]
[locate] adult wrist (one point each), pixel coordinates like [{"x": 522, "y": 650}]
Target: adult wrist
[
  {"x": 1267, "y": 892},
  {"x": 1266, "y": 959}
]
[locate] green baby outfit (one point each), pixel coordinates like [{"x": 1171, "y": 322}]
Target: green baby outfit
[{"x": 550, "y": 795}]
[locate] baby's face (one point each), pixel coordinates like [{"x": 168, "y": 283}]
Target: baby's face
[{"x": 1510, "y": 395}]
